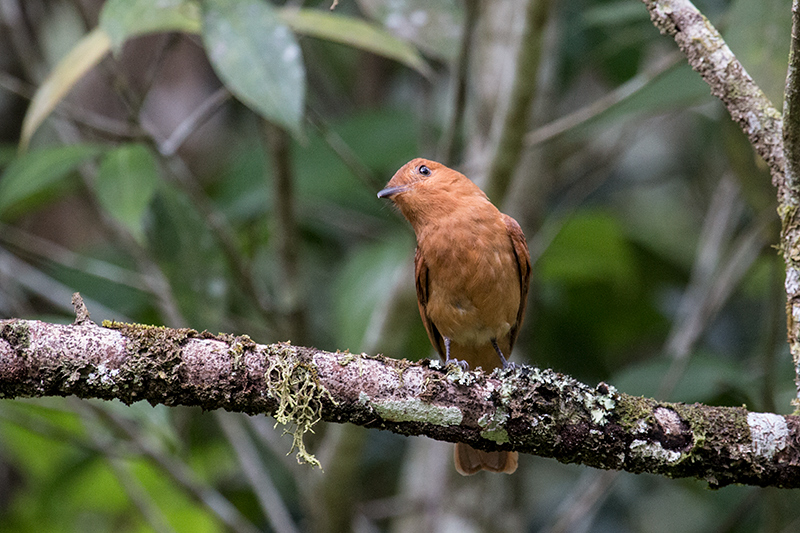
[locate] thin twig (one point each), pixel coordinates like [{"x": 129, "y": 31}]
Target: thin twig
[
  {"x": 80, "y": 115},
  {"x": 136, "y": 493},
  {"x": 193, "y": 121},
  {"x": 449, "y": 144},
  {"x": 150, "y": 76},
  {"x": 269, "y": 435},
  {"x": 578, "y": 508},
  {"x": 32, "y": 244},
  {"x": 219, "y": 226},
  {"x": 279, "y": 147},
  {"x": 269, "y": 498},
  {"x": 181, "y": 474},
  {"x": 598, "y": 172},
  {"x": 20, "y": 35},
  {"x": 45, "y": 287},
  {"x": 601, "y": 105},
  {"x": 346, "y": 154},
  {"x": 721, "y": 218}
]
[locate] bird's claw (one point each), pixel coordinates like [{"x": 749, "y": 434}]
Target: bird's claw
[{"x": 460, "y": 363}]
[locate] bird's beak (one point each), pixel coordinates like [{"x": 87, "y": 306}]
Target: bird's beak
[{"x": 388, "y": 192}]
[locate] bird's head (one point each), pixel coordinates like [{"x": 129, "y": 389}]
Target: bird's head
[
  {"x": 413, "y": 176},
  {"x": 423, "y": 189}
]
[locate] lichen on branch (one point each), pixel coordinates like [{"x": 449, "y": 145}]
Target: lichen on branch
[
  {"x": 527, "y": 409},
  {"x": 299, "y": 393}
]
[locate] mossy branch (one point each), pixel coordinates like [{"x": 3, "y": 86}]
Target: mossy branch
[
  {"x": 773, "y": 135},
  {"x": 527, "y": 409},
  {"x": 790, "y": 224}
]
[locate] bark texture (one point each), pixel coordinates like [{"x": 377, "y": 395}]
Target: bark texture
[
  {"x": 527, "y": 409},
  {"x": 789, "y": 197}
]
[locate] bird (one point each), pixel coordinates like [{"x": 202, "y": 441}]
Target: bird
[{"x": 472, "y": 271}]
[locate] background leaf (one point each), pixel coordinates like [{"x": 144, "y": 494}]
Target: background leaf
[
  {"x": 433, "y": 25},
  {"x": 590, "y": 247},
  {"x": 257, "y": 57},
  {"x": 85, "y": 55},
  {"x": 35, "y": 173},
  {"x": 354, "y": 32},
  {"x": 126, "y": 182},
  {"x": 123, "y": 19}
]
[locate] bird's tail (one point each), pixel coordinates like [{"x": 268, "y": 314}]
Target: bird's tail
[{"x": 471, "y": 461}]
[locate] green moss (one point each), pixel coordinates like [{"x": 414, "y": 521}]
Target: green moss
[
  {"x": 632, "y": 411},
  {"x": 347, "y": 358},
  {"x": 154, "y": 359},
  {"x": 17, "y": 333},
  {"x": 238, "y": 347}
]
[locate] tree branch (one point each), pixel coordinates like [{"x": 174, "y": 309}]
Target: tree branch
[
  {"x": 790, "y": 222},
  {"x": 527, "y": 409},
  {"x": 709, "y": 56}
]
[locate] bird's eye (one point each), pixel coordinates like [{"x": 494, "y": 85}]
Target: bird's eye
[{"x": 423, "y": 170}]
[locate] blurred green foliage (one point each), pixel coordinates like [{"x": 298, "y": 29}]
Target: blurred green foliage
[{"x": 626, "y": 228}]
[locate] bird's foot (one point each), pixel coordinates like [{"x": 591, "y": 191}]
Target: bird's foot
[
  {"x": 510, "y": 365},
  {"x": 460, "y": 363},
  {"x": 463, "y": 365}
]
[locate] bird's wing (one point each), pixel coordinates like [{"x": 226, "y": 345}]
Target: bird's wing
[
  {"x": 421, "y": 277},
  {"x": 523, "y": 257}
]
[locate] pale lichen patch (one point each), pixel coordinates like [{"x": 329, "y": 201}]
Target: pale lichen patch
[
  {"x": 102, "y": 375},
  {"x": 456, "y": 374},
  {"x": 600, "y": 404},
  {"x": 653, "y": 450},
  {"x": 493, "y": 425},
  {"x": 768, "y": 433},
  {"x": 496, "y": 435},
  {"x": 792, "y": 282},
  {"x": 363, "y": 398},
  {"x": 414, "y": 410}
]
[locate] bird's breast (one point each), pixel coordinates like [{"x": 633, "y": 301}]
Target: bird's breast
[{"x": 473, "y": 281}]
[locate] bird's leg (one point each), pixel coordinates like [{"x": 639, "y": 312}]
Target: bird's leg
[
  {"x": 463, "y": 364},
  {"x": 506, "y": 364}
]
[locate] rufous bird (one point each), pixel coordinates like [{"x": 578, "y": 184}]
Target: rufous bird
[{"x": 472, "y": 269}]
